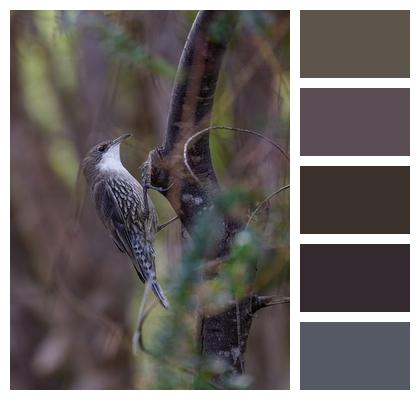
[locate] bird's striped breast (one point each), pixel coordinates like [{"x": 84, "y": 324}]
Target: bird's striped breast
[{"x": 129, "y": 196}]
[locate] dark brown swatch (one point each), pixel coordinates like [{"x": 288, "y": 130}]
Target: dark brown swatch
[
  {"x": 355, "y": 44},
  {"x": 355, "y": 277},
  {"x": 355, "y": 122},
  {"x": 355, "y": 200}
]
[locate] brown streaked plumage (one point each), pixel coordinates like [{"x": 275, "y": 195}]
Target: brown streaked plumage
[{"x": 120, "y": 203}]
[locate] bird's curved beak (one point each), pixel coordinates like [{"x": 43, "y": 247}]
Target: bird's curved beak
[{"x": 121, "y": 138}]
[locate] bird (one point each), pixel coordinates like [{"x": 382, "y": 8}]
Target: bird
[{"x": 125, "y": 209}]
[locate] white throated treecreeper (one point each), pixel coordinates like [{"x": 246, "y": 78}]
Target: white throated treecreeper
[{"x": 124, "y": 208}]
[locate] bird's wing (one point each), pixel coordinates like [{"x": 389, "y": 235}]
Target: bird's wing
[{"x": 113, "y": 219}]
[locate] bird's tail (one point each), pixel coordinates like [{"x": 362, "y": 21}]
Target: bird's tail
[{"x": 157, "y": 290}]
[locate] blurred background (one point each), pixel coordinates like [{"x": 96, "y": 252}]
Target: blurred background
[{"x": 78, "y": 78}]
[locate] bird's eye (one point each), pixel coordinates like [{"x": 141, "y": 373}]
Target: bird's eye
[{"x": 102, "y": 148}]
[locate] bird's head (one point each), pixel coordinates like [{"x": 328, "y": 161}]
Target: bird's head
[{"x": 103, "y": 156}]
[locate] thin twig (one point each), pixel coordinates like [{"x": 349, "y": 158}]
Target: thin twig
[
  {"x": 267, "y": 301},
  {"x": 139, "y": 330},
  {"x": 135, "y": 341},
  {"x": 168, "y": 362},
  {"x": 238, "y": 332},
  {"x": 144, "y": 349},
  {"x": 268, "y": 198},
  {"x": 211, "y": 267},
  {"x": 227, "y": 128},
  {"x": 164, "y": 225}
]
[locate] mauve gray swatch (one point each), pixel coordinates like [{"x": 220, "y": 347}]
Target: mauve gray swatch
[
  {"x": 355, "y": 355},
  {"x": 355, "y": 122}
]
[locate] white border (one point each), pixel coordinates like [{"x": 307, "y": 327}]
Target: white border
[
  {"x": 296, "y": 160},
  {"x": 294, "y": 199}
]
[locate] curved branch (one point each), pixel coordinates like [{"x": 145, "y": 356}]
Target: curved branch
[
  {"x": 264, "y": 201},
  {"x": 196, "y": 135},
  {"x": 190, "y": 111},
  {"x": 197, "y": 75}
]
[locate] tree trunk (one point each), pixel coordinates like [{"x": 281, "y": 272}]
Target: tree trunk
[{"x": 223, "y": 334}]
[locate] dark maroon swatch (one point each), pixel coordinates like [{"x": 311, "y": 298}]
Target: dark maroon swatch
[
  {"x": 355, "y": 122},
  {"x": 355, "y": 277}
]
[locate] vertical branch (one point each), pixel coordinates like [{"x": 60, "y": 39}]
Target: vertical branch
[{"x": 190, "y": 111}]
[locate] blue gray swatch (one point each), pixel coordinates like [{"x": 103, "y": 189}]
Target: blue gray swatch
[{"x": 355, "y": 355}]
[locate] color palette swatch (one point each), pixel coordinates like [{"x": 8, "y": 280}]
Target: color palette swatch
[
  {"x": 355, "y": 44},
  {"x": 355, "y": 200},
  {"x": 355, "y": 122},
  {"x": 355, "y": 355},
  {"x": 355, "y": 277},
  {"x": 351, "y": 121}
]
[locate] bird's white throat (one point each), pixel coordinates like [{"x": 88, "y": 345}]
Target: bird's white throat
[{"x": 111, "y": 160}]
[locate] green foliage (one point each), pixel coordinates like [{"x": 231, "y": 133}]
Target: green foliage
[
  {"x": 175, "y": 340},
  {"x": 237, "y": 274},
  {"x": 39, "y": 95},
  {"x": 42, "y": 59},
  {"x": 221, "y": 141},
  {"x": 119, "y": 44},
  {"x": 218, "y": 29},
  {"x": 64, "y": 161},
  {"x": 257, "y": 21}
]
